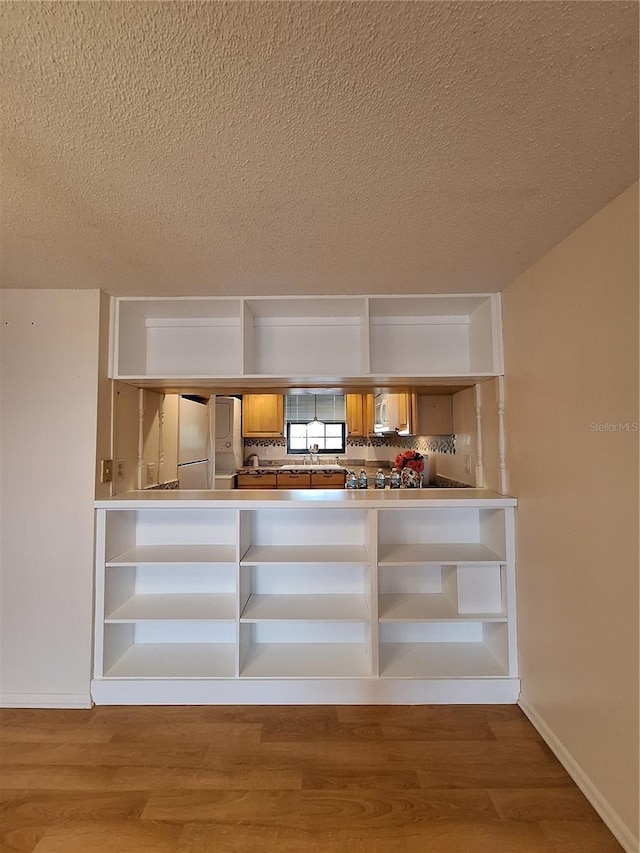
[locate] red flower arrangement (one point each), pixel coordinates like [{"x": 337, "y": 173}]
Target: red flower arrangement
[{"x": 410, "y": 459}]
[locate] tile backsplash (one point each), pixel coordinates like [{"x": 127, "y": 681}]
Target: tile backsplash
[{"x": 421, "y": 443}]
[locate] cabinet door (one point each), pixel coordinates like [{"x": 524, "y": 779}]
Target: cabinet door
[
  {"x": 368, "y": 413},
  {"x": 355, "y": 414},
  {"x": 407, "y": 414},
  {"x": 262, "y": 415}
]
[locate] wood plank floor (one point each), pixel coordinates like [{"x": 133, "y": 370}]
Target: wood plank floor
[{"x": 327, "y": 779}]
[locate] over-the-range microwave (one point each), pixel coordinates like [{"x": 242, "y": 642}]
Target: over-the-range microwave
[{"x": 387, "y": 415}]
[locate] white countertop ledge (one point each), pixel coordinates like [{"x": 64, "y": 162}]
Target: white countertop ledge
[{"x": 250, "y": 498}]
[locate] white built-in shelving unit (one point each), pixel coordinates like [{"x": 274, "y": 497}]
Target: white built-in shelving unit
[
  {"x": 189, "y": 342},
  {"x": 336, "y": 597}
]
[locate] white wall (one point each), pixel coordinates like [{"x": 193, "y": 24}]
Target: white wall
[
  {"x": 451, "y": 465},
  {"x": 490, "y": 437},
  {"x": 152, "y": 406},
  {"x": 49, "y": 377},
  {"x": 126, "y": 405},
  {"x": 571, "y": 356}
]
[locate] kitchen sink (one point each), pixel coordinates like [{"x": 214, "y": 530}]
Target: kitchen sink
[{"x": 320, "y": 466}]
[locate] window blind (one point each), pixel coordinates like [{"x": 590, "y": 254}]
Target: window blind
[{"x": 304, "y": 407}]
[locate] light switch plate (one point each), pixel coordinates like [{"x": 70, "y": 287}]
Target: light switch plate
[{"x": 106, "y": 470}]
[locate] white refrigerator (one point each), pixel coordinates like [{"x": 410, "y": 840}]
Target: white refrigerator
[{"x": 195, "y": 467}]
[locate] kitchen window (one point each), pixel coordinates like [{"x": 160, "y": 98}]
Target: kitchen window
[{"x": 315, "y": 420}]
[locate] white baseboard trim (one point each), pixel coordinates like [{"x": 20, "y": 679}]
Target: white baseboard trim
[
  {"x": 304, "y": 691},
  {"x": 624, "y": 835},
  {"x": 46, "y": 700}
]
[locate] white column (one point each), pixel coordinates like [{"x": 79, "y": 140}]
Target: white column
[{"x": 161, "y": 441}]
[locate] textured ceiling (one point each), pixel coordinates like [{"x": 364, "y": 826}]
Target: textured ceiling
[{"x": 308, "y": 147}]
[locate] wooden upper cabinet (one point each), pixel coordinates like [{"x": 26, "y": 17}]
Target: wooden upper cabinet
[
  {"x": 360, "y": 415},
  {"x": 355, "y": 415},
  {"x": 262, "y": 415},
  {"x": 408, "y": 414},
  {"x": 369, "y": 413}
]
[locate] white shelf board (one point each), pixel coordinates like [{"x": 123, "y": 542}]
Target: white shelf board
[
  {"x": 320, "y": 608},
  {"x": 438, "y": 660},
  {"x": 306, "y": 660},
  {"x": 176, "y": 660},
  {"x": 311, "y": 554},
  {"x": 438, "y": 553},
  {"x": 427, "y": 607},
  {"x": 193, "y": 382},
  {"x": 174, "y": 555},
  {"x": 176, "y": 607}
]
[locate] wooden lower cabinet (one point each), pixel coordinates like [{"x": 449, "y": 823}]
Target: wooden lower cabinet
[
  {"x": 305, "y": 599},
  {"x": 327, "y": 479},
  {"x": 311, "y": 479},
  {"x": 294, "y": 480},
  {"x": 291, "y": 479},
  {"x": 257, "y": 480}
]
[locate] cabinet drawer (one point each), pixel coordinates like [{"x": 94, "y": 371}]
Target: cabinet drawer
[
  {"x": 249, "y": 480},
  {"x": 327, "y": 480},
  {"x": 291, "y": 480}
]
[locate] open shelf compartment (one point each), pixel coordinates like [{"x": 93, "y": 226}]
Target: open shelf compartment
[
  {"x": 453, "y": 536},
  {"x": 442, "y": 593},
  {"x": 444, "y": 650},
  {"x": 328, "y": 336},
  {"x": 434, "y": 335},
  {"x": 170, "y": 536},
  {"x": 305, "y": 650},
  {"x": 170, "y": 650},
  {"x": 178, "y": 337}
]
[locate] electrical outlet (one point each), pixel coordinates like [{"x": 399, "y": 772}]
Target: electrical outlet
[
  {"x": 106, "y": 470},
  {"x": 151, "y": 473},
  {"x": 119, "y": 470},
  {"x": 467, "y": 464}
]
